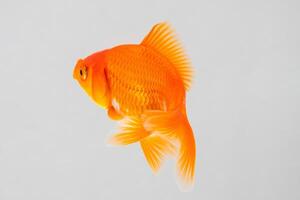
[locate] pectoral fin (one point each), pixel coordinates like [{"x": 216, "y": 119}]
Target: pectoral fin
[{"x": 113, "y": 114}]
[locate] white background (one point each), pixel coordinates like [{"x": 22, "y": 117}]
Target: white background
[{"x": 243, "y": 105}]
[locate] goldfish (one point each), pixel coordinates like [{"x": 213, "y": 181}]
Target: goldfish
[{"x": 144, "y": 87}]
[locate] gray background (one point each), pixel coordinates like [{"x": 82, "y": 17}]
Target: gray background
[{"x": 243, "y": 105}]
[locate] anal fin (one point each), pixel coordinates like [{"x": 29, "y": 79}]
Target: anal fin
[
  {"x": 175, "y": 125},
  {"x": 131, "y": 131},
  {"x": 155, "y": 148}
]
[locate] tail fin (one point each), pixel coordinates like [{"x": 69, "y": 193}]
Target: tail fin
[
  {"x": 187, "y": 155},
  {"x": 154, "y": 146},
  {"x": 175, "y": 124}
]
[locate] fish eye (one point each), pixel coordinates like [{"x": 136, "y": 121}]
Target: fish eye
[{"x": 83, "y": 73}]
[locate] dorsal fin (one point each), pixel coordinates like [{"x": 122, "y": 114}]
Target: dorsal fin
[{"x": 163, "y": 40}]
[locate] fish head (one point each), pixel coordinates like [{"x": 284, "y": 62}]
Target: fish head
[
  {"x": 83, "y": 74},
  {"x": 91, "y": 76}
]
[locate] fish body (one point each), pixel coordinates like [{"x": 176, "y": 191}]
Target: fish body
[{"x": 145, "y": 86}]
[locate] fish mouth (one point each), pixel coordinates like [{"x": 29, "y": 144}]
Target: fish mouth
[
  {"x": 74, "y": 73},
  {"x": 76, "y": 69}
]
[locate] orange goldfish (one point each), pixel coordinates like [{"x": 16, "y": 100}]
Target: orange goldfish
[{"x": 145, "y": 85}]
